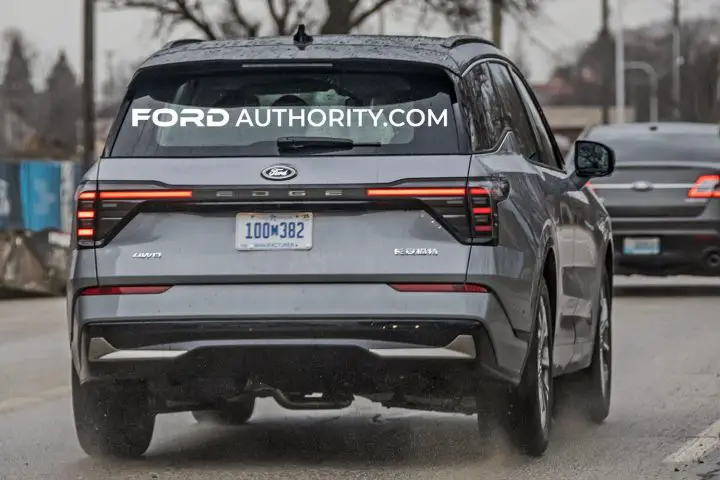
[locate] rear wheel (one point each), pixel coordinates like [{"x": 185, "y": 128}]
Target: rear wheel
[
  {"x": 112, "y": 420},
  {"x": 529, "y": 414},
  {"x": 598, "y": 377},
  {"x": 235, "y": 413}
]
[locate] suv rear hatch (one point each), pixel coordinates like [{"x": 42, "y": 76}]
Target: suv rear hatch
[{"x": 244, "y": 203}]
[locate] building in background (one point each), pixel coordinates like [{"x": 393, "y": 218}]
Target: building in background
[{"x": 567, "y": 120}]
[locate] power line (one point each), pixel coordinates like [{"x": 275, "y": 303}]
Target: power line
[
  {"x": 539, "y": 43},
  {"x": 557, "y": 26}
]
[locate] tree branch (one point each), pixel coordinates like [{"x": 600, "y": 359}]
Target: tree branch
[
  {"x": 171, "y": 11},
  {"x": 358, "y": 19},
  {"x": 285, "y": 15},
  {"x": 280, "y": 17},
  {"x": 251, "y": 28}
]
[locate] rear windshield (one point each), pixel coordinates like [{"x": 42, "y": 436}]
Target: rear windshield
[
  {"x": 658, "y": 147},
  {"x": 244, "y": 113}
]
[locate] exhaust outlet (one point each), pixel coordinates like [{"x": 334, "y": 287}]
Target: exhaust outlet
[{"x": 301, "y": 402}]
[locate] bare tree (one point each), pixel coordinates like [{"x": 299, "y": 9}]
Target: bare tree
[
  {"x": 651, "y": 44},
  {"x": 16, "y": 87},
  {"x": 218, "y": 19},
  {"x": 61, "y": 100}
]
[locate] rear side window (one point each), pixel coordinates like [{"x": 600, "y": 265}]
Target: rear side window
[
  {"x": 378, "y": 112},
  {"x": 517, "y": 117},
  {"x": 483, "y": 109},
  {"x": 651, "y": 147}
]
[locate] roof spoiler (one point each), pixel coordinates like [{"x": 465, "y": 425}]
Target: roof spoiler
[
  {"x": 459, "y": 40},
  {"x": 180, "y": 43}
]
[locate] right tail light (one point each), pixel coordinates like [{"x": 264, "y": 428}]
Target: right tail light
[
  {"x": 470, "y": 212},
  {"x": 706, "y": 186},
  {"x": 483, "y": 217}
]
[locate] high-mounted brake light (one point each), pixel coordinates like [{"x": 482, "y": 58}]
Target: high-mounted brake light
[
  {"x": 706, "y": 186},
  {"x": 98, "y": 212},
  {"x": 439, "y": 287},
  {"x": 125, "y": 290}
]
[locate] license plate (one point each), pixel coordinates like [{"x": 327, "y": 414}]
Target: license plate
[
  {"x": 641, "y": 246},
  {"x": 273, "y": 231}
]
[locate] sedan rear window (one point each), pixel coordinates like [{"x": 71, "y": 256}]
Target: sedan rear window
[
  {"x": 269, "y": 112},
  {"x": 658, "y": 147}
]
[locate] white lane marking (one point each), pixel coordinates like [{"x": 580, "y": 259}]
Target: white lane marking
[
  {"x": 16, "y": 403},
  {"x": 699, "y": 446}
]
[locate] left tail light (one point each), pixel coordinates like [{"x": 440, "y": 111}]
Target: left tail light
[
  {"x": 85, "y": 218},
  {"x": 99, "y": 213}
]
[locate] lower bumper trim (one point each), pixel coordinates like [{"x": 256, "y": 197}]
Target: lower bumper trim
[{"x": 461, "y": 348}]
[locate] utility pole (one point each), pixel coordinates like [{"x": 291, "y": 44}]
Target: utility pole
[
  {"x": 496, "y": 16},
  {"x": 619, "y": 63},
  {"x": 676, "y": 59},
  {"x": 88, "y": 93},
  {"x": 518, "y": 54},
  {"x": 607, "y": 61}
]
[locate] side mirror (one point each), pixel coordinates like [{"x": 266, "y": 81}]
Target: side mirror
[{"x": 592, "y": 160}]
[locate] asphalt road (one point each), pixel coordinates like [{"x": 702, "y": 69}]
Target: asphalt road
[{"x": 664, "y": 420}]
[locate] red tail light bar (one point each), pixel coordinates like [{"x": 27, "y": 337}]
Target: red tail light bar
[
  {"x": 416, "y": 192},
  {"x": 706, "y": 186},
  {"x": 125, "y": 290},
  {"x": 469, "y": 213}
]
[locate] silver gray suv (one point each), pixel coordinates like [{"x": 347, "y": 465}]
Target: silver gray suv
[{"x": 439, "y": 256}]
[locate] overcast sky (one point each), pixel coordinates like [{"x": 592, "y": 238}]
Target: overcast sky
[{"x": 52, "y": 25}]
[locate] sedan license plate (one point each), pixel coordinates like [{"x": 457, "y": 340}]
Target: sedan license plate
[
  {"x": 641, "y": 246},
  {"x": 273, "y": 231}
]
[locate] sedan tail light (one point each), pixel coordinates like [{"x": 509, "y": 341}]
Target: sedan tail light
[{"x": 706, "y": 186}]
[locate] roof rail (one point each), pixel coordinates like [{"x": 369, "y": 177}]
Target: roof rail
[
  {"x": 458, "y": 40},
  {"x": 180, "y": 42}
]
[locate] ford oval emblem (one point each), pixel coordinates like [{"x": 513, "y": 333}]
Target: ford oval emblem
[
  {"x": 642, "y": 186},
  {"x": 279, "y": 172}
]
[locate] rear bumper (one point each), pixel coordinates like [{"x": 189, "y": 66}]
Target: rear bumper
[
  {"x": 687, "y": 246},
  {"x": 473, "y": 336}
]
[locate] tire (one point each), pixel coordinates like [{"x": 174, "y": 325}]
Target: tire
[
  {"x": 233, "y": 414},
  {"x": 530, "y": 406},
  {"x": 111, "y": 421},
  {"x": 597, "y": 386}
]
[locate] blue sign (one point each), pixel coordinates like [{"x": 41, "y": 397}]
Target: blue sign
[
  {"x": 40, "y": 192},
  {"x": 10, "y": 203}
]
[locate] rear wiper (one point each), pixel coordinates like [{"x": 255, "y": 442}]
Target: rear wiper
[{"x": 298, "y": 144}]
